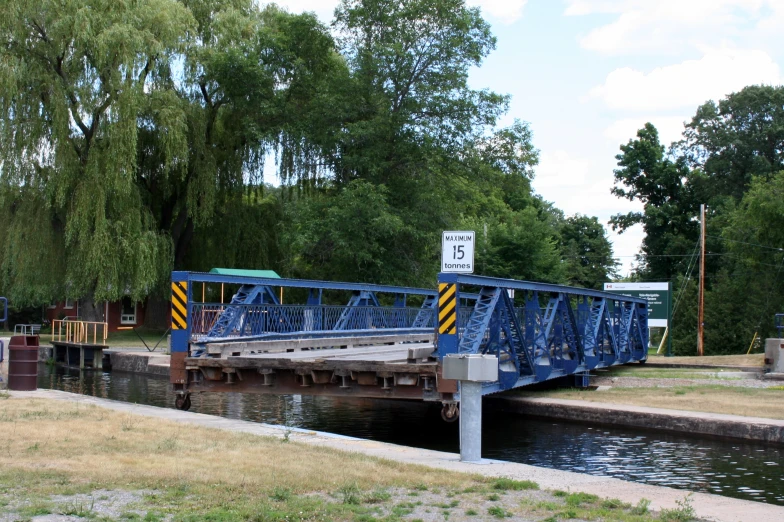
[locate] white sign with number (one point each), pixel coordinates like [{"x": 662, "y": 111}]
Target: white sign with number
[{"x": 457, "y": 252}]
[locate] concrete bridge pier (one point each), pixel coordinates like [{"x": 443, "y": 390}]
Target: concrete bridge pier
[
  {"x": 470, "y": 421},
  {"x": 471, "y": 370}
]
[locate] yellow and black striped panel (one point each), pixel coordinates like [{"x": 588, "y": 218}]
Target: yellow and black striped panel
[
  {"x": 447, "y": 308},
  {"x": 179, "y": 305}
]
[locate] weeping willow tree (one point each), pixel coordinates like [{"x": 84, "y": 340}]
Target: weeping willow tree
[{"x": 128, "y": 125}]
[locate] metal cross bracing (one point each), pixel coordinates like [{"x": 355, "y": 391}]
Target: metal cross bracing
[{"x": 545, "y": 331}]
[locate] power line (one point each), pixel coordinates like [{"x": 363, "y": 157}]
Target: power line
[
  {"x": 687, "y": 276},
  {"x": 667, "y": 255},
  {"x": 731, "y": 256},
  {"x": 747, "y": 243}
]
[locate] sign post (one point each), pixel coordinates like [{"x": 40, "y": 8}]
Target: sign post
[
  {"x": 659, "y": 297},
  {"x": 457, "y": 252}
]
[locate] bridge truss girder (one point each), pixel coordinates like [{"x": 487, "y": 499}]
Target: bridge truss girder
[{"x": 558, "y": 330}]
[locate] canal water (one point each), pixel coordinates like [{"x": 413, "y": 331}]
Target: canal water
[{"x": 747, "y": 471}]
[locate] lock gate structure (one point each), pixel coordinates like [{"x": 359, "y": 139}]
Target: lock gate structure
[{"x": 364, "y": 340}]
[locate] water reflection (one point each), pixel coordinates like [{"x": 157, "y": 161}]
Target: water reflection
[{"x": 748, "y": 471}]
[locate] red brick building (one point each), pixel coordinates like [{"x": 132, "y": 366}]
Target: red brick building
[{"x": 123, "y": 313}]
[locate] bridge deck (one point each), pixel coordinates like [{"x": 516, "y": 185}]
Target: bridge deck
[{"x": 401, "y": 368}]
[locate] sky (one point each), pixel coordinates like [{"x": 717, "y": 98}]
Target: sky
[{"x": 587, "y": 74}]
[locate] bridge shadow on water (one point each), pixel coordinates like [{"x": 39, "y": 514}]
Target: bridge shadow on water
[{"x": 747, "y": 471}]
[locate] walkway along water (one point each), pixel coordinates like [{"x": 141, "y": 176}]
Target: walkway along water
[{"x": 748, "y": 471}]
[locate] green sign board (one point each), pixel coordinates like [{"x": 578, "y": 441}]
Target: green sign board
[{"x": 658, "y": 295}]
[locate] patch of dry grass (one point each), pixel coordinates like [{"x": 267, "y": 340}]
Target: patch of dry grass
[
  {"x": 92, "y": 444},
  {"x": 752, "y": 360},
  {"x": 750, "y": 402}
]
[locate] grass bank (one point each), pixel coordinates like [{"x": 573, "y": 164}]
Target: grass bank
[
  {"x": 709, "y": 398},
  {"x": 98, "y": 464},
  {"x": 754, "y": 360},
  {"x": 652, "y": 372}
]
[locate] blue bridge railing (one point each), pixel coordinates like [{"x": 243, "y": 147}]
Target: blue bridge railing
[
  {"x": 255, "y": 309},
  {"x": 256, "y": 320}
]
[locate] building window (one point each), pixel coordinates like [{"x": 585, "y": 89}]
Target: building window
[
  {"x": 68, "y": 304},
  {"x": 127, "y": 311},
  {"x": 53, "y": 304}
]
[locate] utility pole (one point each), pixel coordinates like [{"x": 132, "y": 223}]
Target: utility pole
[{"x": 701, "y": 298}]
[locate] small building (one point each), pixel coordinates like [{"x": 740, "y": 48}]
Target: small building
[
  {"x": 126, "y": 313},
  {"x": 116, "y": 314}
]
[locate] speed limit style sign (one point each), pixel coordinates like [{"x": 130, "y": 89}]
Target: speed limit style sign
[{"x": 457, "y": 252}]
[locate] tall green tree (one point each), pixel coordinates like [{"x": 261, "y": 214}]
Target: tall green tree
[
  {"x": 587, "y": 252},
  {"x": 410, "y": 62},
  {"x": 663, "y": 184},
  {"x": 127, "y": 125},
  {"x": 735, "y": 139},
  {"x": 74, "y": 78},
  {"x": 729, "y": 159},
  {"x": 405, "y": 113}
]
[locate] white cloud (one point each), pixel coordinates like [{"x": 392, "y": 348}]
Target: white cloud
[
  {"x": 578, "y": 185},
  {"x": 559, "y": 170},
  {"x": 666, "y": 25},
  {"x": 581, "y": 185},
  {"x": 670, "y": 128},
  {"x": 626, "y": 246},
  {"x": 507, "y": 11},
  {"x": 687, "y": 84}
]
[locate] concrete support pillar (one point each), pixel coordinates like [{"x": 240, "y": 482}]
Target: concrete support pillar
[{"x": 470, "y": 421}]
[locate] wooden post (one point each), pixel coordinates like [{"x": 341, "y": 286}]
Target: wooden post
[{"x": 701, "y": 303}]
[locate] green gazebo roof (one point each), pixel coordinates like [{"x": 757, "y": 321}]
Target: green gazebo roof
[{"x": 268, "y": 274}]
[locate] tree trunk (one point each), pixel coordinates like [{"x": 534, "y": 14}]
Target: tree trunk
[{"x": 89, "y": 310}]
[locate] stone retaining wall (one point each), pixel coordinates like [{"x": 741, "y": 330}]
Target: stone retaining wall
[
  {"x": 687, "y": 422},
  {"x": 140, "y": 362}
]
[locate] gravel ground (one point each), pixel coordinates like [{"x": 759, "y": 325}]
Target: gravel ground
[
  {"x": 422, "y": 505},
  {"x": 639, "y": 382},
  {"x": 434, "y": 506},
  {"x": 99, "y": 503}
]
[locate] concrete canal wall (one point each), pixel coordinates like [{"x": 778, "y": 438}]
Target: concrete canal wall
[
  {"x": 687, "y": 422},
  {"x": 148, "y": 363}
]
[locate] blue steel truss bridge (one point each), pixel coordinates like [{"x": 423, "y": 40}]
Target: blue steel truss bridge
[{"x": 364, "y": 340}]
